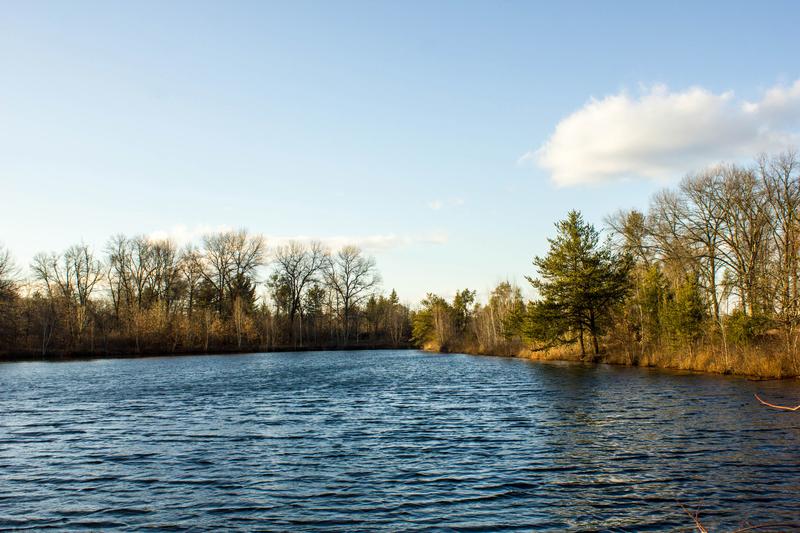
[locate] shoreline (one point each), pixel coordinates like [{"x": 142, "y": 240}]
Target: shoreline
[
  {"x": 525, "y": 354},
  {"x": 18, "y": 357},
  {"x": 608, "y": 359}
]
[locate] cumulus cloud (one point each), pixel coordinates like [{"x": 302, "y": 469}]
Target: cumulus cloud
[
  {"x": 183, "y": 235},
  {"x": 662, "y": 134}
]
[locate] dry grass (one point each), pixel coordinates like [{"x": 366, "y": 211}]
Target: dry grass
[{"x": 765, "y": 361}]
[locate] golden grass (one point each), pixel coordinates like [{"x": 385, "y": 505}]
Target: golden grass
[{"x": 764, "y": 361}]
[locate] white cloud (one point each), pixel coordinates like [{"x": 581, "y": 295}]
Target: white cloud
[
  {"x": 451, "y": 202},
  {"x": 663, "y": 134},
  {"x": 182, "y": 235},
  {"x": 368, "y": 243}
]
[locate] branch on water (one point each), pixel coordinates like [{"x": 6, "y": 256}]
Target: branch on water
[
  {"x": 775, "y": 526},
  {"x": 696, "y": 518},
  {"x": 782, "y": 407}
]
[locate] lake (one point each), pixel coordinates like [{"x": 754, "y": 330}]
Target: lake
[{"x": 389, "y": 440}]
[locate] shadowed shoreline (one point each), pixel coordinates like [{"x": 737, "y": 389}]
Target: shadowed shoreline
[{"x": 88, "y": 356}]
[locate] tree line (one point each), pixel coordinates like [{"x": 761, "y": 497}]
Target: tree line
[
  {"x": 230, "y": 293},
  {"x": 705, "y": 278}
]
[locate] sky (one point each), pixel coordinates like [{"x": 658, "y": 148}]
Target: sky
[{"x": 445, "y": 138}]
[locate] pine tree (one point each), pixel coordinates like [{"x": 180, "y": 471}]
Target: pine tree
[{"x": 579, "y": 282}]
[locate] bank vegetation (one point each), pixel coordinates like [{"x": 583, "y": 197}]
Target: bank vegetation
[
  {"x": 231, "y": 293},
  {"x": 705, "y": 279}
]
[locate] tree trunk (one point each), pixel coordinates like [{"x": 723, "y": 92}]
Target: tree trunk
[{"x": 593, "y": 331}]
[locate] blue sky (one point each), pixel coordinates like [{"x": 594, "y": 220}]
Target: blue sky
[{"x": 402, "y": 126}]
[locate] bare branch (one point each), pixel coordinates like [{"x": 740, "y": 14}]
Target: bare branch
[{"x": 781, "y": 407}]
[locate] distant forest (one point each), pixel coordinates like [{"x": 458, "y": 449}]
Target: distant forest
[
  {"x": 705, "y": 279},
  {"x": 145, "y": 296}
]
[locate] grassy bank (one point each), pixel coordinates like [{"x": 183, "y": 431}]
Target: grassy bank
[{"x": 764, "y": 362}]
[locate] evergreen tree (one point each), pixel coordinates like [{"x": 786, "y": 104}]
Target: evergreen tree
[
  {"x": 579, "y": 282},
  {"x": 462, "y": 307}
]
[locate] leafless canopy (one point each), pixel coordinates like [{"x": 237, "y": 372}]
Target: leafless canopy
[
  {"x": 8, "y": 272},
  {"x": 352, "y": 276}
]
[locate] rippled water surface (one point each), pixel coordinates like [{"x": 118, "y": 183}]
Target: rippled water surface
[{"x": 388, "y": 440}]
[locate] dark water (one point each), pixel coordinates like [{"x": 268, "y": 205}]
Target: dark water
[{"x": 366, "y": 441}]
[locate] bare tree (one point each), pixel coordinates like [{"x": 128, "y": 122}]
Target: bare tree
[
  {"x": 352, "y": 277},
  {"x": 489, "y": 322},
  {"x": 72, "y": 278},
  {"x": 745, "y": 234},
  {"x": 219, "y": 265},
  {"x": 632, "y": 234},
  {"x": 667, "y": 229},
  {"x": 156, "y": 297},
  {"x": 8, "y": 299},
  {"x": 118, "y": 268},
  {"x": 132, "y": 269},
  {"x": 87, "y": 271},
  {"x": 780, "y": 176},
  {"x": 8, "y": 273},
  {"x": 232, "y": 259},
  {"x": 702, "y": 221},
  {"x": 165, "y": 282},
  {"x": 191, "y": 267},
  {"x": 297, "y": 267}
]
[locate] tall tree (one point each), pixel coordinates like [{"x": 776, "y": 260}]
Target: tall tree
[
  {"x": 297, "y": 268},
  {"x": 579, "y": 281},
  {"x": 462, "y": 308},
  {"x": 780, "y": 175},
  {"x": 352, "y": 276},
  {"x": 434, "y": 322},
  {"x": 70, "y": 278},
  {"x": 8, "y": 274},
  {"x": 232, "y": 259},
  {"x": 8, "y": 296},
  {"x": 745, "y": 233}
]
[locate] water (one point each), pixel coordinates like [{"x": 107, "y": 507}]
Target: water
[{"x": 388, "y": 440}]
